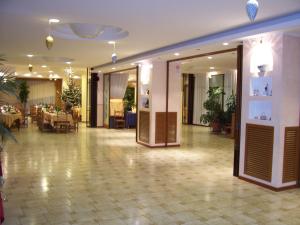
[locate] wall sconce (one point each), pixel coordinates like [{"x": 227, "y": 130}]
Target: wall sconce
[
  {"x": 261, "y": 58},
  {"x": 145, "y": 73}
]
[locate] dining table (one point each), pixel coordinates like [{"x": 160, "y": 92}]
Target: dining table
[
  {"x": 53, "y": 117},
  {"x": 9, "y": 118}
]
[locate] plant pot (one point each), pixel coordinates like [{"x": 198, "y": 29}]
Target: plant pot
[{"x": 216, "y": 127}]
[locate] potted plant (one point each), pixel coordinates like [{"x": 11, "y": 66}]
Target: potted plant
[
  {"x": 230, "y": 108},
  {"x": 214, "y": 115},
  {"x": 23, "y": 95},
  {"x": 129, "y": 99}
]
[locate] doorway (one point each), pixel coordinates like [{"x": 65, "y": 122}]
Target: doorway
[{"x": 216, "y": 75}]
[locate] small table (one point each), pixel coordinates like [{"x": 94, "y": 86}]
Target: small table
[{"x": 8, "y": 119}]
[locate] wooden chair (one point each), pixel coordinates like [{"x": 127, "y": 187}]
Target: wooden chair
[
  {"x": 119, "y": 120},
  {"x": 42, "y": 123},
  {"x": 33, "y": 113},
  {"x": 61, "y": 126}
]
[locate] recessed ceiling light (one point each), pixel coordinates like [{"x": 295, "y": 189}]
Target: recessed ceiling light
[
  {"x": 111, "y": 42},
  {"x": 53, "y": 20},
  {"x": 39, "y": 75},
  {"x": 212, "y": 68},
  {"x": 44, "y": 66},
  {"x": 209, "y": 57},
  {"x": 225, "y": 43},
  {"x": 113, "y": 68},
  {"x": 176, "y": 54},
  {"x": 29, "y": 55}
]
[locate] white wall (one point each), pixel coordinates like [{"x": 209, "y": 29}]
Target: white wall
[{"x": 285, "y": 100}]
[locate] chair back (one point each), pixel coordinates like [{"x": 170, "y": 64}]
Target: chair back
[{"x": 118, "y": 114}]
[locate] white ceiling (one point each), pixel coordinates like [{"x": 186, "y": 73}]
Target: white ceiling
[
  {"x": 151, "y": 24},
  {"x": 220, "y": 62}
]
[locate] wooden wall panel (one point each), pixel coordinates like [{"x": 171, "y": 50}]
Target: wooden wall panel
[
  {"x": 172, "y": 127},
  {"x": 144, "y": 126},
  {"x": 259, "y": 151},
  {"x": 291, "y": 155},
  {"x": 160, "y": 127}
]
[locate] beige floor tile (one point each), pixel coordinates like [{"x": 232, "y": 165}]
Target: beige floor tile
[{"x": 101, "y": 176}]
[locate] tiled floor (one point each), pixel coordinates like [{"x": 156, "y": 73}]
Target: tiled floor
[{"x": 100, "y": 176}]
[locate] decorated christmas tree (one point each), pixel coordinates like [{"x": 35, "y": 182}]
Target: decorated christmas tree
[{"x": 71, "y": 94}]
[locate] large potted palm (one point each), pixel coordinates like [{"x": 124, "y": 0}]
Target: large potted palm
[{"x": 214, "y": 115}]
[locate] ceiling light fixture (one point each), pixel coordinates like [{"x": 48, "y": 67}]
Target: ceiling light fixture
[
  {"x": 225, "y": 43},
  {"x": 209, "y": 57},
  {"x": 252, "y": 9},
  {"x": 44, "y": 66},
  {"x": 27, "y": 75},
  {"x": 50, "y": 71},
  {"x": 30, "y": 67},
  {"x": 212, "y": 68},
  {"x": 49, "y": 38},
  {"x": 114, "y": 56},
  {"x": 69, "y": 63},
  {"x": 113, "y": 68},
  {"x": 29, "y": 56},
  {"x": 176, "y": 54},
  {"x": 54, "y": 20},
  {"x": 40, "y": 76}
]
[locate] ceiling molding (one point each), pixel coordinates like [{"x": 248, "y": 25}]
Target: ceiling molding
[{"x": 269, "y": 25}]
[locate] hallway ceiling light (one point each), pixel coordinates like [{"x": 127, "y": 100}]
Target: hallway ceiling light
[
  {"x": 209, "y": 57},
  {"x": 44, "y": 66},
  {"x": 53, "y": 20},
  {"x": 29, "y": 56},
  {"x": 177, "y": 54},
  {"x": 252, "y": 9},
  {"x": 111, "y": 42},
  {"x": 225, "y": 43}
]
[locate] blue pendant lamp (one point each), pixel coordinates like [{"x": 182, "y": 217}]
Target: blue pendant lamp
[{"x": 252, "y": 9}]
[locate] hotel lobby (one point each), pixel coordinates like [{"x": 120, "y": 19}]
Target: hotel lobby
[{"x": 145, "y": 113}]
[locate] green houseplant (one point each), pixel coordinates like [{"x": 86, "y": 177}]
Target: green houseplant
[
  {"x": 129, "y": 99},
  {"x": 230, "y": 107},
  {"x": 23, "y": 95},
  {"x": 8, "y": 86},
  {"x": 214, "y": 115}
]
